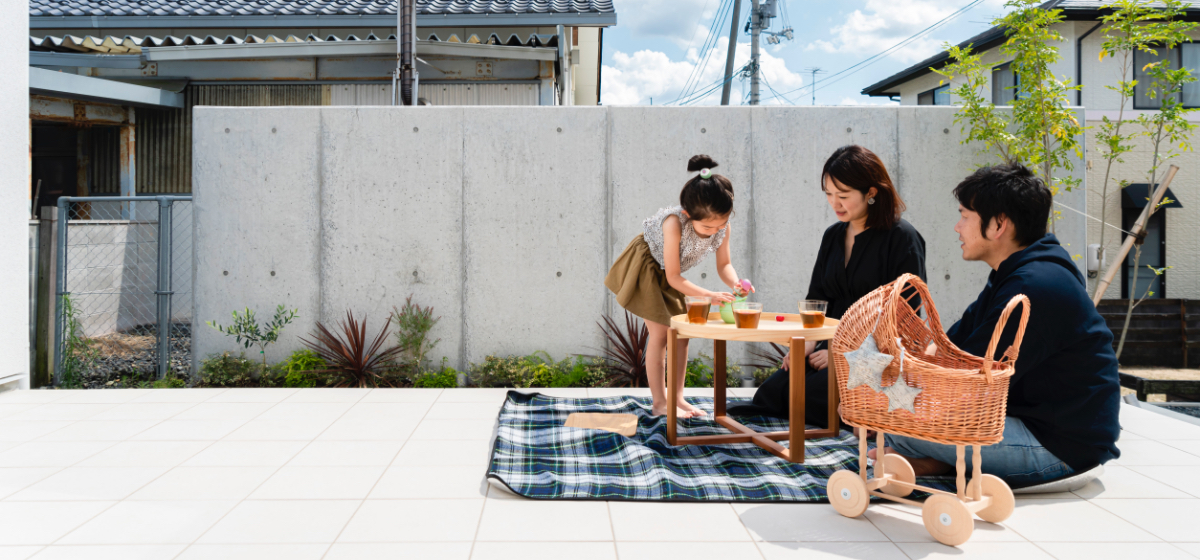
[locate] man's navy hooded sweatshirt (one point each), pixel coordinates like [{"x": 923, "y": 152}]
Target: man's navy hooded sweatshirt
[{"x": 1065, "y": 388}]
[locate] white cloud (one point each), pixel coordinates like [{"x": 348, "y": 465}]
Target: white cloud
[
  {"x": 864, "y": 100},
  {"x": 634, "y": 79},
  {"x": 884, "y": 23},
  {"x": 684, "y": 22}
]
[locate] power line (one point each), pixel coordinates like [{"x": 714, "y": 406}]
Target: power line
[
  {"x": 705, "y": 53},
  {"x": 815, "y": 70}
]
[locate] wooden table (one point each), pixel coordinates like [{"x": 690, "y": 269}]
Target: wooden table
[{"x": 788, "y": 332}]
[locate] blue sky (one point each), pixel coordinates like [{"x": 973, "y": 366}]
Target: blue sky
[{"x": 656, "y": 46}]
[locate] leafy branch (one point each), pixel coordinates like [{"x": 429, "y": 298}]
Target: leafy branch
[{"x": 246, "y": 330}]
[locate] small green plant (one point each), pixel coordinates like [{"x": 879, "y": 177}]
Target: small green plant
[
  {"x": 762, "y": 374},
  {"x": 413, "y": 324},
  {"x": 168, "y": 383},
  {"x": 78, "y": 352},
  {"x": 698, "y": 373},
  {"x": 301, "y": 369},
  {"x": 227, "y": 370},
  {"x": 246, "y": 330},
  {"x": 444, "y": 378}
]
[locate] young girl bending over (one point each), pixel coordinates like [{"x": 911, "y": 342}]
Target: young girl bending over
[{"x": 647, "y": 277}]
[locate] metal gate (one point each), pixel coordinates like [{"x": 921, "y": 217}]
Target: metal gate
[{"x": 124, "y": 280}]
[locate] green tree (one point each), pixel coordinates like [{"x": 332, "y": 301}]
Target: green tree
[{"x": 246, "y": 330}]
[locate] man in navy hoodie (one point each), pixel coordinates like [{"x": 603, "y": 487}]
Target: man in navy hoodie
[{"x": 1064, "y": 397}]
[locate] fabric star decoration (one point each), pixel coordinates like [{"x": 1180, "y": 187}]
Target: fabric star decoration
[
  {"x": 867, "y": 365},
  {"x": 900, "y": 395}
]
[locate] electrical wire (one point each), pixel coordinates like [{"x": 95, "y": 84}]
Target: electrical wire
[{"x": 706, "y": 50}]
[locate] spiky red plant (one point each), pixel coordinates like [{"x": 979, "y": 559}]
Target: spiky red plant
[{"x": 348, "y": 354}]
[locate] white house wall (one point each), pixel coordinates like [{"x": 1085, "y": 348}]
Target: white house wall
[{"x": 14, "y": 196}]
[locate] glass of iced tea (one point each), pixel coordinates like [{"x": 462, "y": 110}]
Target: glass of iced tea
[
  {"x": 697, "y": 309},
  {"x": 812, "y": 313},
  {"x": 746, "y": 314}
]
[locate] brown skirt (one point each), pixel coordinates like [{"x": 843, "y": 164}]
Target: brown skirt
[{"x": 641, "y": 286}]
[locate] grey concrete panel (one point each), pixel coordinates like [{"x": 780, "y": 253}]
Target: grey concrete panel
[
  {"x": 256, "y": 190},
  {"x": 393, "y": 230},
  {"x": 533, "y": 207}
]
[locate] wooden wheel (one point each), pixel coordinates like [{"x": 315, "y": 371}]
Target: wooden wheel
[
  {"x": 947, "y": 519},
  {"x": 1002, "y": 498},
  {"x": 847, "y": 493},
  {"x": 899, "y": 467}
]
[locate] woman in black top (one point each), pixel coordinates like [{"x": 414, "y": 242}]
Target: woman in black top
[{"x": 869, "y": 246}]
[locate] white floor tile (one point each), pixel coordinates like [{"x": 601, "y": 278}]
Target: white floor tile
[
  {"x": 205, "y": 483},
  {"x": 189, "y": 430},
  {"x": 58, "y": 411},
  {"x": 490, "y": 395},
  {"x": 18, "y": 552},
  {"x": 805, "y": 523},
  {"x": 402, "y": 395},
  {"x": 829, "y": 551},
  {"x": 9, "y": 409},
  {"x": 51, "y": 453},
  {"x": 526, "y": 520},
  {"x": 104, "y": 396},
  {"x": 974, "y": 549},
  {"x": 43, "y": 522},
  {"x": 454, "y": 430},
  {"x": 100, "y": 430},
  {"x": 254, "y": 552},
  {"x": 179, "y": 396},
  {"x": 544, "y": 551},
  {"x": 386, "y": 411},
  {"x": 462, "y": 411},
  {"x": 14, "y": 479},
  {"x": 347, "y": 453},
  {"x": 498, "y": 491},
  {"x": 1156, "y": 426},
  {"x": 1186, "y": 479},
  {"x": 89, "y": 483},
  {"x": 285, "y": 521},
  {"x": 111, "y": 552},
  {"x": 267, "y": 395},
  {"x": 39, "y": 396},
  {"x": 902, "y": 523},
  {"x": 365, "y": 429},
  {"x": 708, "y": 550},
  {"x": 319, "y": 483},
  {"x": 280, "y": 429},
  {"x": 240, "y": 412},
  {"x": 29, "y": 430},
  {"x": 328, "y": 395},
  {"x": 132, "y": 522},
  {"x": 1121, "y": 482},
  {"x": 1170, "y": 520},
  {"x": 246, "y": 454},
  {"x": 689, "y": 522},
  {"x": 1072, "y": 521},
  {"x": 393, "y": 551},
  {"x": 414, "y": 521},
  {"x": 145, "y": 454},
  {"x": 406, "y": 483},
  {"x": 430, "y": 453},
  {"x": 143, "y": 411},
  {"x": 1192, "y": 548},
  {"x": 306, "y": 411},
  {"x": 1114, "y": 551},
  {"x": 1146, "y": 452},
  {"x": 1190, "y": 446}
]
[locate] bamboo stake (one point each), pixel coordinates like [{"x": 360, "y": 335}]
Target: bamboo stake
[{"x": 1138, "y": 227}]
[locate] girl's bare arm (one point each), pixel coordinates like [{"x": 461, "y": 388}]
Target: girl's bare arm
[
  {"x": 672, "y": 233},
  {"x": 724, "y": 262}
]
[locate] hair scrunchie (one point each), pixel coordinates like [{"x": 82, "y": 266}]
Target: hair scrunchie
[{"x": 706, "y": 173}]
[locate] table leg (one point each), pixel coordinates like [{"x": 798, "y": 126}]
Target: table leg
[
  {"x": 835, "y": 420},
  {"x": 796, "y": 402},
  {"x": 719, "y": 375},
  {"x": 672, "y": 398}
]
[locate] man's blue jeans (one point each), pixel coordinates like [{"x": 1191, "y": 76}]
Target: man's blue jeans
[{"x": 1019, "y": 459}]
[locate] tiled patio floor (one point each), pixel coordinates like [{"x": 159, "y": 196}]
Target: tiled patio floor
[{"x": 398, "y": 473}]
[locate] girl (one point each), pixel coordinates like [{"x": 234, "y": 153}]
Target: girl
[{"x": 647, "y": 277}]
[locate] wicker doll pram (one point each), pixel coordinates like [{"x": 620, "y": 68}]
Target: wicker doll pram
[{"x": 962, "y": 402}]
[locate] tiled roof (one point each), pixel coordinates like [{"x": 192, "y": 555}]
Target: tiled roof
[
  {"x": 58, "y": 8},
  {"x": 134, "y": 45}
]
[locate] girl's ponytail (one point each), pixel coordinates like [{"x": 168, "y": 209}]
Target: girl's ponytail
[{"x": 706, "y": 195}]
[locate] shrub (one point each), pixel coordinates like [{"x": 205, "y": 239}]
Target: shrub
[
  {"x": 350, "y": 357},
  {"x": 168, "y": 383},
  {"x": 445, "y": 378},
  {"x": 79, "y": 353},
  {"x": 303, "y": 369},
  {"x": 246, "y": 330},
  {"x": 413, "y": 324},
  {"x": 540, "y": 370},
  {"x": 227, "y": 370}
]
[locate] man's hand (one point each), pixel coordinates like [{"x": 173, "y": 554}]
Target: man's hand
[
  {"x": 787, "y": 361},
  {"x": 931, "y": 350},
  {"x": 819, "y": 359}
]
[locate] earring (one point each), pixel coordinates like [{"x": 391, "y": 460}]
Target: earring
[{"x": 871, "y": 200}]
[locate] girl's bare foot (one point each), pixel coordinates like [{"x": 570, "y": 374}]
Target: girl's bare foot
[
  {"x": 680, "y": 412},
  {"x": 921, "y": 467},
  {"x": 695, "y": 412}
]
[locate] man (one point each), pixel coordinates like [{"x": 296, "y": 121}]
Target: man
[{"x": 1064, "y": 397}]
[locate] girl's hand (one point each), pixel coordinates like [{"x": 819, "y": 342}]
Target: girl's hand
[
  {"x": 720, "y": 297},
  {"x": 743, "y": 288},
  {"x": 819, "y": 359}
]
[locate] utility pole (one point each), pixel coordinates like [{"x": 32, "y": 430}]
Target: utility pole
[
  {"x": 755, "y": 28},
  {"x": 406, "y": 46},
  {"x": 733, "y": 34},
  {"x": 813, "y": 83}
]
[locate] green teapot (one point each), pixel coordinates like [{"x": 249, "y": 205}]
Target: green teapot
[{"x": 727, "y": 310}]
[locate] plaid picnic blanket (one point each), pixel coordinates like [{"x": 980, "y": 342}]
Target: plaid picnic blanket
[{"x": 536, "y": 457}]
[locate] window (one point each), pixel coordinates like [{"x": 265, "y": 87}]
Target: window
[
  {"x": 935, "y": 96},
  {"x": 1004, "y": 84},
  {"x": 1186, "y": 55}
]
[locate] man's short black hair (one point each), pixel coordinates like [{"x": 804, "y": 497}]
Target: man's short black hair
[{"x": 1010, "y": 190}]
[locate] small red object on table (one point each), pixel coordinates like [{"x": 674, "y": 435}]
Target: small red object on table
[{"x": 780, "y": 318}]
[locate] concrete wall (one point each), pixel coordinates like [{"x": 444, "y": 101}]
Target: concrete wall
[
  {"x": 507, "y": 219},
  {"x": 14, "y": 195}
]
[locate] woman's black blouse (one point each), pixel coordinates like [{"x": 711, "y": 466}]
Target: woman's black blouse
[{"x": 879, "y": 256}]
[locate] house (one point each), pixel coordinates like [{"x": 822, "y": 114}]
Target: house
[
  {"x": 113, "y": 82},
  {"x": 1171, "y": 239}
]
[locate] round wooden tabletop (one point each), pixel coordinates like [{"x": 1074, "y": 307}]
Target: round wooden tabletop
[{"x": 769, "y": 329}]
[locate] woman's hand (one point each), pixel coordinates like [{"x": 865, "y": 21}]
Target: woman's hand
[
  {"x": 719, "y": 297},
  {"x": 819, "y": 359},
  {"x": 931, "y": 350}
]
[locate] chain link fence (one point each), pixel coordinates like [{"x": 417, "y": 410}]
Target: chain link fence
[{"x": 124, "y": 285}]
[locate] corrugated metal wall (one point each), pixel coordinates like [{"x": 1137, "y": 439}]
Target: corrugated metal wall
[
  {"x": 477, "y": 93},
  {"x": 104, "y": 159},
  {"x": 360, "y": 94}
]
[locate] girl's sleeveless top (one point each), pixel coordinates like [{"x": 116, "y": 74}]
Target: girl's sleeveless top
[{"x": 692, "y": 247}]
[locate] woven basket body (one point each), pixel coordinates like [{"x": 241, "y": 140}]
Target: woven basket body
[{"x": 963, "y": 397}]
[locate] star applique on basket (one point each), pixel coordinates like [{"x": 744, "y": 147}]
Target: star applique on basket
[
  {"x": 900, "y": 394},
  {"x": 867, "y": 365}
]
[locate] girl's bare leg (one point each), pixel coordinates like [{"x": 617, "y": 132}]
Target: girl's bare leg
[
  {"x": 680, "y": 381},
  {"x": 656, "y": 348}
]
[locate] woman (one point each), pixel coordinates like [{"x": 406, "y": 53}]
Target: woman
[{"x": 868, "y": 247}]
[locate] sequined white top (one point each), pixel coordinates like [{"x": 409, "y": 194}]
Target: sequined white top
[{"x": 692, "y": 247}]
